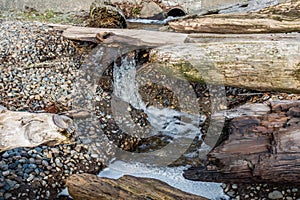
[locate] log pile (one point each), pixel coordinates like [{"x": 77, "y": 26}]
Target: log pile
[{"x": 259, "y": 148}]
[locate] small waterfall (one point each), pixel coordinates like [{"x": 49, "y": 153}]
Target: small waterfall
[
  {"x": 124, "y": 83},
  {"x": 167, "y": 121}
]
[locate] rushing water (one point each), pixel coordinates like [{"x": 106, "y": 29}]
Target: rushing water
[
  {"x": 171, "y": 122},
  {"x": 167, "y": 121},
  {"x": 181, "y": 126}
]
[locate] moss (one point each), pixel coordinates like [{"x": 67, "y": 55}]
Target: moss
[
  {"x": 49, "y": 16},
  {"x": 136, "y": 11},
  {"x": 183, "y": 70},
  {"x": 297, "y": 73}
]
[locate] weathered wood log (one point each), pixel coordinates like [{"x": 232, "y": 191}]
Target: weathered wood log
[
  {"x": 235, "y": 23},
  {"x": 261, "y": 64},
  {"x": 257, "y": 65},
  {"x": 209, "y": 38},
  {"x": 91, "y": 187},
  {"x": 261, "y": 148},
  {"x": 24, "y": 129},
  {"x": 152, "y": 37}
]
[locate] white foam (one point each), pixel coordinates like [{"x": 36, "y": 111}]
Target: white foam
[
  {"x": 171, "y": 175},
  {"x": 65, "y": 192},
  {"x": 151, "y": 21}
]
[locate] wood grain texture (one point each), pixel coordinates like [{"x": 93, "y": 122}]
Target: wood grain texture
[
  {"x": 258, "y": 149},
  {"x": 91, "y": 187},
  {"x": 235, "y": 23},
  {"x": 260, "y": 65}
]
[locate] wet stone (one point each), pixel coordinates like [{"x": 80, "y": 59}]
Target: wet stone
[
  {"x": 30, "y": 178},
  {"x": 275, "y": 195},
  {"x": 6, "y": 173},
  {"x": 234, "y": 186},
  {"x": 7, "y": 195},
  {"x": 295, "y": 190},
  {"x": 5, "y": 155},
  {"x": 10, "y": 183},
  {"x": 4, "y": 167}
]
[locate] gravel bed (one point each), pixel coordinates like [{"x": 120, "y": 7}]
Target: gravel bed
[
  {"x": 37, "y": 70},
  {"x": 40, "y": 173}
]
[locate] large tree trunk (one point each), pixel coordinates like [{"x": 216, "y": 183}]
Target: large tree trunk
[
  {"x": 259, "y": 65},
  {"x": 235, "y": 23},
  {"x": 91, "y": 187},
  {"x": 258, "y": 148}
]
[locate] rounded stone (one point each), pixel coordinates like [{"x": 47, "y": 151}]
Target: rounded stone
[
  {"x": 7, "y": 195},
  {"x": 275, "y": 195},
  {"x": 6, "y": 173}
]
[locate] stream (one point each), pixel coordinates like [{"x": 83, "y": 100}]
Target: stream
[
  {"x": 181, "y": 127},
  {"x": 145, "y": 120}
]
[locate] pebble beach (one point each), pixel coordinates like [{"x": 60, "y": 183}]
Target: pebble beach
[{"x": 38, "y": 68}]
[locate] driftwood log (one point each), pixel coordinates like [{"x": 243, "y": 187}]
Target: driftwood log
[
  {"x": 260, "y": 65},
  {"x": 259, "y": 147},
  {"x": 152, "y": 37},
  {"x": 235, "y": 23},
  {"x": 24, "y": 129},
  {"x": 91, "y": 187}
]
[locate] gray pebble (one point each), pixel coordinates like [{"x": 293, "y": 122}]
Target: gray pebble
[
  {"x": 7, "y": 195},
  {"x": 22, "y": 161},
  {"x": 5, "y": 155},
  {"x": 10, "y": 183},
  {"x": 295, "y": 190},
  {"x": 45, "y": 163},
  {"x": 47, "y": 193},
  {"x": 32, "y": 166},
  {"x": 4, "y": 167},
  {"x": 31, "y": 160},
  {"x": 234, "y": 186},
  {"x": 30, "y": 178},
  {"x": 275, "y": 195},
  {"x": 17, "y": 186},
  {"x": 6, "y": 173},
  {"x": 58, "y": 162},
  {"x": 231, "y": 193}
]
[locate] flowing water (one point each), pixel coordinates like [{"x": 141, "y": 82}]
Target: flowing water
[
  {"x": 178, "y": 126},
  {"x": 170, "y": 122}
]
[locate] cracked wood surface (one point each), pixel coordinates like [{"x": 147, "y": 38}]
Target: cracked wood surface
[{"x": 262, "y": 148}]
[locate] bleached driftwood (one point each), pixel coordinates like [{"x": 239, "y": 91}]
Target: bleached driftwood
[
  {"x": 235, "y": 23},
  {"x": 24, "y": 129},
  {"x": 260, "y": 65}
]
